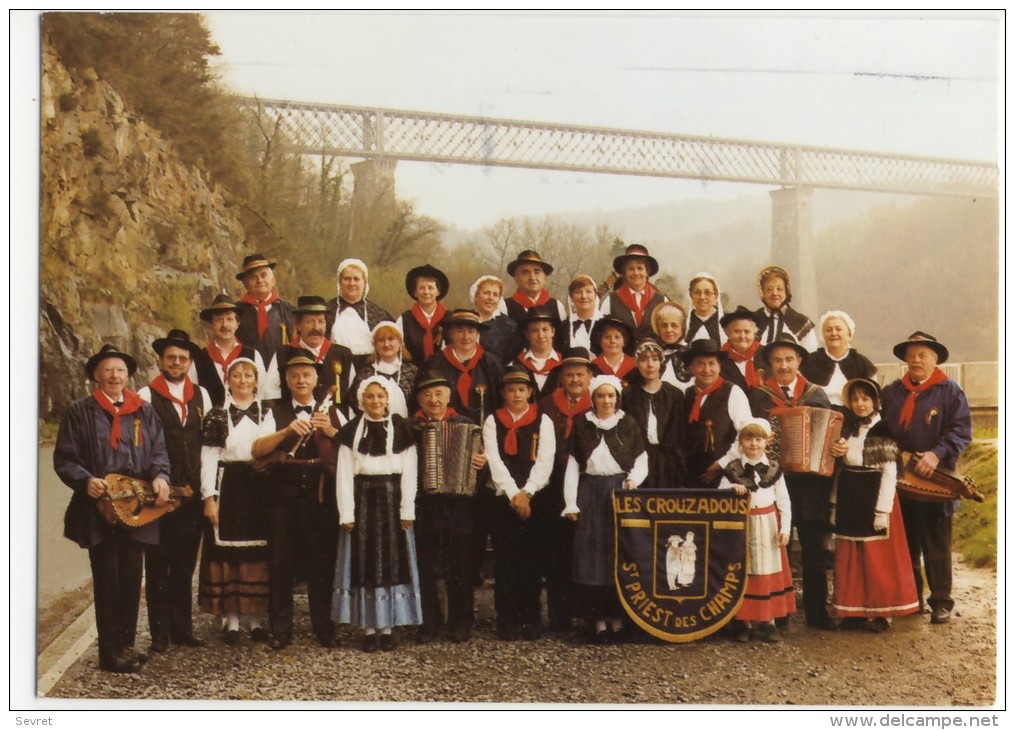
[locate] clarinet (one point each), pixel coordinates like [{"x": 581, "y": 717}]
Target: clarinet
[{"x": 323, "y": 408}]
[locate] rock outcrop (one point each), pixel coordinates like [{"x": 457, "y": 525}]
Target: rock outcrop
[{"x": 132, "y": 241}]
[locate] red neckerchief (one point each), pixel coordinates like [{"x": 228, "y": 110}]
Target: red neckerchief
[
  {"x": 560, "y": 400},
  {"x": 627, "y": 364},
  {"x": 549, "y": 364},
  {"x": 699, "y": 396},
  {"x": 448, "y": 414},
  {"x": 627, "y": 297},
  {"x": 325, "y": 346},
  {"x": 262, "y": 310},
  {"x": 160, "y": 386},
  {"x": 223, "y": 362},
  {"x": 465, "y": 379},
  {"x": 428, "y": 327},
  {"x": 777, "y": 389},
  {"x": 508, "y": 421},
  {"x": 750, "y": 374},
  {"x": 906, "y": 416},
  {"x": 526, "y": 303},
  {"x": 131, "y": 402}
]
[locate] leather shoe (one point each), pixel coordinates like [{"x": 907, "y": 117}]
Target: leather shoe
[
  {"x": 369, "y": 644},
  {"x": 159, "y": 644},
  {"x": 387, "y": 642},
  {"x": 460, "y": 634},
  {"x": 327, "y": 641},
  {"x": 260, "y": 634},
  {"x": 940, "y": 615},
  {"x": 277, "y": 643},
  {"x": 741, "y": 632},
  {"x": 507, "y": 632},
  {"x": 187, "y": 638},
  {"x": 825, "y": 623},
  {"x": 121, "y": 663},
  {"x": 426, "y": 634},
  {"x": 232, "y": 637},
  {"x": 601, "y": 638},
  {"x": 531, "y": 632}
]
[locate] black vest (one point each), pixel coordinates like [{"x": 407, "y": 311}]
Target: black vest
[
  {"x": 520, "y": 465},
  {"x": 641, "y": 332},
  {"x": 415, "y": 336},
  {"x": 624, "y": 441},
  {"x": 209, "y": 376},
  {"x": 183, "y": 440},
  {"x": 713, "y": 433}
]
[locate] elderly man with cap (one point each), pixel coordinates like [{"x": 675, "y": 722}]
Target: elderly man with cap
[
  {"x": 809, "y": 493},
  {"x": 520, "y": 445},
  {"x": 563, "y": 406},
  {"x": 421, "y": 323},
  {"x": 714, "y": 411},
  {"x": 111, "y": 431},
  {"x": 539, "y": 357},
  {"x": 266, "y": 321},
  {"x": 304, "y": 515},
  {"x": 169, "y": 566},
  {"x": 743, "y": 365},
  {"x": 777, "y": 317},
  {"x": 473, "y": 373},
  {"x": 530, "y": 273},
  {"x": 634, "y": 300},
  {"x": 444, "y": 520},
  {"x": 337, "y": 370},
  {"x": 928, "y": 414},
  {"x": 211, "y": 363},
  {"x": 351, "y": 318}
]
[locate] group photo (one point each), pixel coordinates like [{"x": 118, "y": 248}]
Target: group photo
[{"x": 308, "y": 434}]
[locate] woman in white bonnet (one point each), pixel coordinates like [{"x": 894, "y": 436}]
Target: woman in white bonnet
[{"x": 351, "y": 318}]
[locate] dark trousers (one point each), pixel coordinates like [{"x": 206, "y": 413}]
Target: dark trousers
[
  {"x": 304, "y": 541},
  {"x": 809, "y": 499},
  {"x": 117, "y": 564},
  {"x": 169, "y": 570},
  {"x": 929, "y": 535},
  {"x": 440, "y": 551},
  {"x": 556, "y": 556},
  {"x": 516, "y": 557}
]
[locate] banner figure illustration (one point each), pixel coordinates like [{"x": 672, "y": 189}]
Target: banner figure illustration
[{"x": 681, "y": 559}]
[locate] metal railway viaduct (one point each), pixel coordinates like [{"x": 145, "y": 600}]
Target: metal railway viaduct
[{"x": 382, "y": 137}]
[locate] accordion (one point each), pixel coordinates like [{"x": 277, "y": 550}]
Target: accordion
[
  {"x": 447, "y": 450},
  {"x": 805, "y": 436}
]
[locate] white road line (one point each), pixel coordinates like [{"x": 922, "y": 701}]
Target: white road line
[{"x": 66, "y": 649}]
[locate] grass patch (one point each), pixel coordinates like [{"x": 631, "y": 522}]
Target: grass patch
[
  {"x": 974, "y": 530},
  {"x": 984, "y": 432},
  {"x": 47, "y": 432}
]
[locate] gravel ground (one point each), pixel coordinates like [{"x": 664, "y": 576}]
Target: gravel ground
[{"x": 913, "y": 664}]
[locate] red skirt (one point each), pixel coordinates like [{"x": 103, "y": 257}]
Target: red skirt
[
  {"x": 768, "y": 596},
  {"x": 875, "y": 577}
]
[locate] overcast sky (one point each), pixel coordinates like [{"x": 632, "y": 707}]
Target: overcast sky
[{"x": 890, "y": 83}]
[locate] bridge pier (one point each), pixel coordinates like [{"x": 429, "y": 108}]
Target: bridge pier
[
  {"x": 793, "y": 245},
  {"x": 373, "y": 201}
]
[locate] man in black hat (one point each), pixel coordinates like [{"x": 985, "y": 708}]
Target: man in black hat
[
  {"x": 568, "y": 401},
  {"x": 539, "y": 357},
  {"x": 444, "y": 522},
  {"x": 111, "y": 431},
  {"x": 304, "y": 514},
  {"x": 169, "y": 566},
  {"x": 929, "y": 415},
  {"x": 809, "y": 493},
  {"x": 520, "y": 446},
  {"x": 212, "y": 362},
  {"x": 336, "y": 360},
  {"x": 473, "y": 373},
  {"x": 266, "y": 321},
  {"x": 715, "y": 410},
  {"x": 302, "y": 508},
  {"x": 634, "y": 298},
  {"x": 530, "y": 273}
]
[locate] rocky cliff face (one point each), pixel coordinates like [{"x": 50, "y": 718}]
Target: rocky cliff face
[{"x": 132, "y": 242}]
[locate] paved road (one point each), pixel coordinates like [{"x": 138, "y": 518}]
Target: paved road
[{"x": 62, "y": 565}]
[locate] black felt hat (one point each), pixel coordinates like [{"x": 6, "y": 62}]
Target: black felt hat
[
  {"x": 741, "y": 312},
  {"x": 176, "y": 338},
  {"x": 528, "y": 257},
  {"x": 106, "y": 352},
  {"x": 785, "y": 339},
  {"x": 706, "y": 347},
  {"x": 922, "y": 338},
  {"x": 253, "y": 261},
  {"x": 427, "y": 272}
]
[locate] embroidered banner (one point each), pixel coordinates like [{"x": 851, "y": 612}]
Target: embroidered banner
[{"x": 681, "y": 559}]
